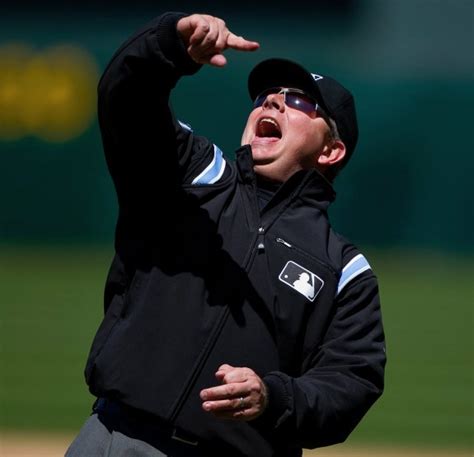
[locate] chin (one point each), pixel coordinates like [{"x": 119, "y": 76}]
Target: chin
[
  {"x": 261, "y": 159},
  {"x": 266, "y": 170},
  {"x": 264, "y": 153}
]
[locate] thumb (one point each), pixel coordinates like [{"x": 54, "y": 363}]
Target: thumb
[
  {"x": 218, "y": 60},
  {"x": 222, "y": 371}
]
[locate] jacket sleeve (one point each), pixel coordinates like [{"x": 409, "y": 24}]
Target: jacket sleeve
[
  {"x": 342, "y": 377},
  {"x": 149, "y": 153}
]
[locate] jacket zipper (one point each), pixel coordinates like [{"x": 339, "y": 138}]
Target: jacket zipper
[
  {"x": 216, "y": 331},
  {"x": 261, "y": 239},
  {"x": 202, "y": 359},
  {"x": 282, "y": 241},
  {"x": 302, "y": 252}
]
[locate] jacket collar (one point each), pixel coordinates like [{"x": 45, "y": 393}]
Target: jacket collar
[{"x": 309, "y": 185}]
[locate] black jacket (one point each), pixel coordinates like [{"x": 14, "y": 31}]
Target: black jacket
[{"x": 202, "y": 277}]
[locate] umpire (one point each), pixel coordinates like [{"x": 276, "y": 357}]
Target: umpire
[{"x": 237, "y": 322}]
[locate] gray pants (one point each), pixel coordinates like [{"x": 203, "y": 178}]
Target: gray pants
[
  {"x": 96, "y": 440},
  {"x": 116, "y": 435}
]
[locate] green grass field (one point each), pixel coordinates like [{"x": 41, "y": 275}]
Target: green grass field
[{"x": 51, "y": 303}]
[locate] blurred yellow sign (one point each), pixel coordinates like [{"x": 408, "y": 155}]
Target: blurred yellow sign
[{"x": 49, "y": 94}]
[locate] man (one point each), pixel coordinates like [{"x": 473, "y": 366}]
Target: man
[{"x": 236, "y": 321}]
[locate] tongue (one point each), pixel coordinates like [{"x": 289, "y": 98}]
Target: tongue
[{"x": 268, "y": 130}]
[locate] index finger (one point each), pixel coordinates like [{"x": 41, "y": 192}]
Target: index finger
[
  {"x": 240, "y": 43},
  {"x": 224, "y": 391}
]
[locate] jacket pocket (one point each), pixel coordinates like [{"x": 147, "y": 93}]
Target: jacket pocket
[
  {"x": 301, "y": 271},
  {"x": 109, "y": 322},
  {"x": 303, "y": 292},
  {"x": 117, "y": 298}
]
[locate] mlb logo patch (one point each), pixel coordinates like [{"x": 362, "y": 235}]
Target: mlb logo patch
[{"x": 302, "y": 280}]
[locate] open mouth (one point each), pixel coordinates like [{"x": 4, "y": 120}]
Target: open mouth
[{"x": 268, "y": 128}]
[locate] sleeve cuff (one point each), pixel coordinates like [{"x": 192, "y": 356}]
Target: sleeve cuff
[
  {"x": 172, "y": 46},
  {"x": 279, "y": 404}
]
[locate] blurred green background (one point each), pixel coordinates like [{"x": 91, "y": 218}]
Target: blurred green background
[{"x": 406, "y": 197}]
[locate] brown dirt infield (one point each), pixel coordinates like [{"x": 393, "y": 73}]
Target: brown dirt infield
[{"x": 36, "y": 445}]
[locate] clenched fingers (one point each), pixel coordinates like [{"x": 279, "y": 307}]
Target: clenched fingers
[
  {"x": 242, "y": 394},
  {"x": 242, "y": 408}
]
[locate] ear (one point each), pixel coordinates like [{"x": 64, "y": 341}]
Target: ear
[{"x": 332, "y": 153}]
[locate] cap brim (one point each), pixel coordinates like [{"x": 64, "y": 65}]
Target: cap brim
[{"x": 281, "y": 73}]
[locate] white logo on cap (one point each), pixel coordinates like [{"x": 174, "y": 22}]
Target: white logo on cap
[{"x": 316, "y": 77}]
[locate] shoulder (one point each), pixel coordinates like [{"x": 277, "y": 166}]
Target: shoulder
[
  {"x": 202, "y": 162},
  {"x": 352, "y": 264}
]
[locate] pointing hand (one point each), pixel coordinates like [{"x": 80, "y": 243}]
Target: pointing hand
[{"x": 206, "y": 37}]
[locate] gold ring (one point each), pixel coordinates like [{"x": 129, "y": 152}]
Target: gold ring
[{"x": 241, "y": 402}]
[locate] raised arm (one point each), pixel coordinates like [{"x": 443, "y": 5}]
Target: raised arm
[{"x": 146, "y": 149}]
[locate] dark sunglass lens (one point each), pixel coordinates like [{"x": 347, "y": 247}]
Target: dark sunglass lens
[
  {"x": 260, "y": 100},
  {"x": 300, "y": 102}
]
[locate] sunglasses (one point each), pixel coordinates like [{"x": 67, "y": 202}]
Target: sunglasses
[{"x": 294, "y": 98}]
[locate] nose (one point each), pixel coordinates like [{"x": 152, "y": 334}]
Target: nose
[{"x": 275, "y": 101}]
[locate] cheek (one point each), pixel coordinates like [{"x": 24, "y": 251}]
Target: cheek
[
  {"x": 314, "y": 138},
  {"x": 245, "y": 136},
  {"x": 248, "y": 131},
  {"x": 304, "y": 136},
  {"x": 308, "y": 141}
]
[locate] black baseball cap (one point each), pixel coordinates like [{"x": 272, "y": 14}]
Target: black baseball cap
[{"x": 333, "y": 97}]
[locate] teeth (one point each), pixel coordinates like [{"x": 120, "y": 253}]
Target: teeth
[
  {"x": 268, "y": 127},
  {"x": 270, "y": 120}
]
